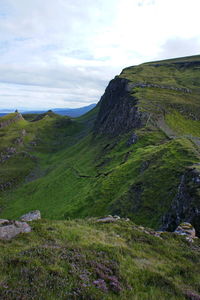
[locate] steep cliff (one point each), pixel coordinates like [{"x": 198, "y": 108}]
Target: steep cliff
[{"x": 118, "y": 111}]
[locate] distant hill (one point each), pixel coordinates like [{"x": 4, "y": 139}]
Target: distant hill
[
  {"x": 2, "y": 114},
  {"x": 74, "y": 112},
  {"x": 71, "y": 112}
]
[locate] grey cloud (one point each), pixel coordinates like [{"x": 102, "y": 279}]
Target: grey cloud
[
  {"x": 56, "y": 76},
  {"x": 36, "y": 34},
  {"x": 177, "y": 47}
]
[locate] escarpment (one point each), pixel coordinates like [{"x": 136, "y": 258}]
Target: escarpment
[{"x": 118, "y": 111}]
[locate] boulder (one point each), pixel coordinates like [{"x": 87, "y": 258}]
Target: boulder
[
  {"x": 187, "y": 230},
  {"x": 31, "y": 216},
  {"x": 9, "y": 229}
]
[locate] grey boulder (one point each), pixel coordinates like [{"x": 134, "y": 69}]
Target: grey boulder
[
  {"x": 9, "y": 229},
  {"x": 31, "y": 216}
]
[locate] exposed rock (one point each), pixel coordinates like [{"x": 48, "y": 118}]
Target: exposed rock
[
  {"x": 187, "y": 230},
  {"x": 19, "y": 141},
  {"x": 149, "y": 231},
  {"x": 185, "y": 205},
  {"x": 118, "y": 110},
  {"x": 6, "y": 185},
  {"x": 108, "y": 219},
  {"x": 9, "y": 229},
  {"x": 11, "y": 150},
  {"x": 31, "y": 216},
  {"x": 23, "y": 132},
  {"x": 192, "y": 295},
  {"x": 132, "y": 140},
  {"x": 3, "y": 222},
  {"x": 8, "y": 152},
  {"x": 152, "y": 85}
]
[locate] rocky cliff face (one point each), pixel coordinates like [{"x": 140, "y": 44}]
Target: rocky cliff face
[
  {"x": 118, "y": 109},
  {"x": 185, "y": 205}
]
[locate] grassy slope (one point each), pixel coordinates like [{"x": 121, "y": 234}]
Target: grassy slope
[
  {"x": 96, "y": 176},
  {"x": 83, "y": 260}
]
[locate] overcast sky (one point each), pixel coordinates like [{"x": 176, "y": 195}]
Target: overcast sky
[{"x": 62, "y": 53}]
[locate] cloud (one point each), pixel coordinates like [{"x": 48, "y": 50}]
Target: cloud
[
  {"x": 177, "y": 46},
  {"x": 65, "y": 52}
]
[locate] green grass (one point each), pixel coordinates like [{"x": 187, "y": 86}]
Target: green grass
[
  {"x": 88, "y": 180},
  {"x": 83, "y": 260},
  {"x": 8, "y": 117},
  {"x": 183, "y": 125}
]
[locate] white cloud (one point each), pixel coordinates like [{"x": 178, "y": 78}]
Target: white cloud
[{"x": 66, "y": 51}]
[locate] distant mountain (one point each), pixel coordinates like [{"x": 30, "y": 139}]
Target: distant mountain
[
  {"x": 74, "y": 112},
  {"x": 2, "y": 114},
  {"x": 71, "y": 112}
]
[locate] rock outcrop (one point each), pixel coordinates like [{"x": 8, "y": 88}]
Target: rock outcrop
[
  {"x": 31, "y": 216},
  {"x": 118, "y": 111},
  {"x": 185, "y": 205},
  {"x": 187, "y": 230},
  {"x": 10, "y": 229},
  {"x": 158, "y": 86},
  {"x": 8, "y": 152},
  {"x": 16, "y": 117}
]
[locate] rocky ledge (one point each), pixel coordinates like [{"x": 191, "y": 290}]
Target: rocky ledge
[{"x": 158, "y": 86}]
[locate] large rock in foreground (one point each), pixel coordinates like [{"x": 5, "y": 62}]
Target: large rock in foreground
[
  {"x": 9, "y": 229},
  {"x": 31, "y": 216}
]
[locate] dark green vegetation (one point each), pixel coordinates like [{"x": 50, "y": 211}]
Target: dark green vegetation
[
  {"x": 136, "y": 154},
  {"x": 82, "y": 260}
]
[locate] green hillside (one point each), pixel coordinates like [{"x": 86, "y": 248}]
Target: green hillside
[{"x": 136, "y": 154}]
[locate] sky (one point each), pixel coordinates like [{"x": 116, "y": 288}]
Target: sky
[{"x": 63, "y": 53}]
